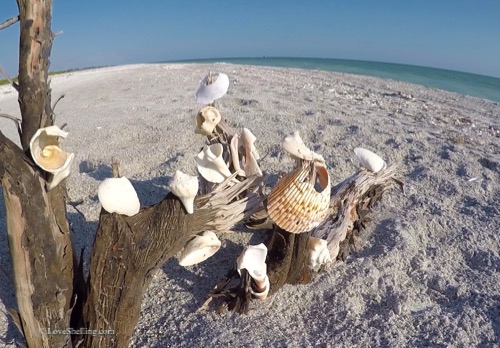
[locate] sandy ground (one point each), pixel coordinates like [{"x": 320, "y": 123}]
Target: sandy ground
[{"x": 429, "y": 275}]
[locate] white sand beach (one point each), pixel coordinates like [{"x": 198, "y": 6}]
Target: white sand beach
[{"x": 428, "y": 276}]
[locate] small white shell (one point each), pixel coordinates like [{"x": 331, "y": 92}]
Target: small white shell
[
  {"x": 318, "y": 252},
  {"x": 208, "y": 93},
  {"x": 117, "y": 195},
  {"x": 185, "y": 187},
  {"x": 253, "y": 259},
  {"x": 294, "y": 145},
  {"x": 200, "y": 248},
  {"x": 251, "y": 154},
  {"x": 211, "y": 164},
  {"x": 48, "y": 154},
  {"x": 206, "y": 120},
  {"x": 369, "y": 160}
]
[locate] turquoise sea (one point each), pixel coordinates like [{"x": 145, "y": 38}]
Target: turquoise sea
[{"x": 480, "y": 86}]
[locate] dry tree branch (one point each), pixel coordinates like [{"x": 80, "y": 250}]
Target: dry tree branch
[
  {"x": 7, "y": 77},
  {"x": 16, "y": 120},
  {"x": 9, "y": 22}
]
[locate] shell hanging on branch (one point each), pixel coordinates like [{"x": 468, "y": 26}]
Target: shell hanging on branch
[
  {"x": 212, "y": 87},
  {"x": 295, "y": 204},
  {"x": 211, "y": 165},
  {"x": 206, "y": 120},
  {"x": 200, "y": 248},
  {"x": 185, "y": 187},
  {"x": 294, "y": 145},
  {"x": 318, "y": 253},
  {"x": 48, "y": 154},
  {"x": 251, "y": 166},
  {"x": 253, "y": 259},
  {"x": 117, "y": 195}
]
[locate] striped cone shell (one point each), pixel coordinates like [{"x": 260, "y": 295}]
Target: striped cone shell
[{"x": 294, "y": 204}]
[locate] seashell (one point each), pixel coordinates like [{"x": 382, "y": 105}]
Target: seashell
[
  {"x": 117, "y": 195},
  {"x": 294, "y": 145},
  {"x": 369, "y": 160},
  {"x": 209, "y": 92},
  {"x": 185, "y": 187},
  {"x": 318, "y": 252},
  {"x": 211, "y": 164},
  {"x": 48, "y": 154},
  {"x": 253, "y": 259},
  {"x": 251, "y": 154},
  {"x": 200, "y": 248},
  {"x": 206, "y": 120},
  {"x": 295, "y": 204},
  {"x": 235, "y": 157}
]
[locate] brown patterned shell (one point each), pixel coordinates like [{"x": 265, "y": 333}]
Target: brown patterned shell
[{"x": 294, "y": 204}]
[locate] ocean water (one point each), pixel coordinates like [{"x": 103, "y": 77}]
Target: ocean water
[{"x": 480, "y": 86}]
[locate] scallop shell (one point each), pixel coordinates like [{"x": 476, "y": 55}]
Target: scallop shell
[{"x": 294, "y": 204}]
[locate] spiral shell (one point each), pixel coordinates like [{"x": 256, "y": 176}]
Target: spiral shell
[{"x": 294, "y": 204}]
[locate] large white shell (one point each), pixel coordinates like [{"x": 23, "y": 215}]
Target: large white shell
[
  {"x": 117, "y": 195},
  {"x": 185, "y": 187},
  {"x": 294, "y": 145},
  {"x": 206, "y": 120},
  {"x": 207, "y": 94},
  {"x": 211, "y": 164},
  {"x": 369, "y": 160},
  {"x": 48, "y": 154},
  {"x": 318, "y": 252},
  {"x": 295, "y": 204},
  {"x": 200, "y": 248},
  {"x": 253, "y": 259}
]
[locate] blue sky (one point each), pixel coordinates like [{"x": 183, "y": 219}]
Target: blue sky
[{"x": 451, "y": 34}]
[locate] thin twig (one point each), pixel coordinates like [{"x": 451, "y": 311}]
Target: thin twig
[
  {"x": 57, "y": 101},
  {"x": 9, "y": 22},
  {"x": 7, "y": 77},
  {"x": 115, "y": 167},
  {"x": 16, "y": 120}
]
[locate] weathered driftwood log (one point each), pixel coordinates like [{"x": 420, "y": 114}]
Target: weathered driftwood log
[{"x": 128, "y": 250}]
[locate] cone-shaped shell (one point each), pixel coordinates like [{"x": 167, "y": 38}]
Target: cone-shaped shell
[
  {"x": 211, "y": 164},
  {"x": 369, "y": 160},
  {"x": 294, "y": 145},
  {"x": 318, "y": 252},
  {"x": 200, "y": 248},
  {"x": 208, "y": 93},
  {"x": 294, "y": 204},
  {"x": 117, "y": 195},
  {"x": 253, "y": 259},
  {"x": 185, "y": 187},
  {"x": 206, "y": 120}
]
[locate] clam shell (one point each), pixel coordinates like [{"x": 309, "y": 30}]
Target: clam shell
[
  {"x": 369, "y": 160},
  {"x": 294, "y": 203}
]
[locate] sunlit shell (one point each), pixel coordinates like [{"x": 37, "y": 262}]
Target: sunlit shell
[
  {"x": 295, "y": 204},
  {"x": 211, "y": 164},
  {"x": 46, "y": 150},
  {"x": 117, "y": 195},
  {"x": 200, "y": 248},
  {"x": 294, "y": 145},
  {"x": 209, "y": 92},
  {"x": 369, "y": 160},
  {"x": 185, "y": 187},
  {"x": 206, "y": 120},
  {"x": 318, "y": 252}
]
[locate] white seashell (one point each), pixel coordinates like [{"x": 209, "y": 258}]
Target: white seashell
[
  {"x": 117, "y": 195},
  {"x": 294, "y": 145},
  {"x": 208, "y": 93},
  {"x": 211, "y": 164},
  {"x": 200, "y": 248},
  {"x": 253, "y": 259},
  {"x": 251, "y": 154},
  {"x": 185, "y": 187},
  {"x": 206, "y": 120},
  {"x": 262, "y": 289},
  {"x": 48, "y": 154},
  {"x": 318, "y": 252},
  {"x": 369, "y": 160},
  {"x": 235, "y": 158}
]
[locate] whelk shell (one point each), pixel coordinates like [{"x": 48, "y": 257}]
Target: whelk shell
[{"x": 295, "y": 204}]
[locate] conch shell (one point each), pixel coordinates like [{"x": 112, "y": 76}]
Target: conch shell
[
  {"x": 185, "y": 187},
  {"x": 295, "y": 204},
  {"x": 200, "y": 248},
  {"x": 294, "y": 145},
  {"x": 117, "y": 195},
  {"x": 206, "y": 120},
  {"x": 48, "y": 154},
  {"x": 369, "y": 160},
  {"x": 211, "y": 164},
  {"x": 212, "y": 88},
  {"x": 318, "y": 252},
  {"x": 253, "y": 259}
]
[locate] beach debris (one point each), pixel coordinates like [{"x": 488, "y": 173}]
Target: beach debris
[
  {"x": 369, "y": 160},
  {"x": 211, "y": 164},
  {"x": 117, "y": 195},
  {"x": 253, "y": 259},
  {"x": 185, "y": 187},
  {"x": 300, "y": 200},
  {"x": 294, "y": 145},
  {"x": 206, "y": 120},
  {"x": 251, "y": 166},
  {"x": 47, "y": 153},
  {"x": 212, "y": 87},
  {"x": 199, "y": 248},
  {"x": 318, "y": 253}
]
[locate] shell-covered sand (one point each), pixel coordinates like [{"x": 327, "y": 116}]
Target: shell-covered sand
[{"x": 428, "y": 276}]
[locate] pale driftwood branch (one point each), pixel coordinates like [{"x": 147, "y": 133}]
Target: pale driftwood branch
[
  {"x": 345, "y": 197},
  {"x": 7, "y": 77},
  {"x": 16, "y": 120},
  {"x": 9, "y": 22}
]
